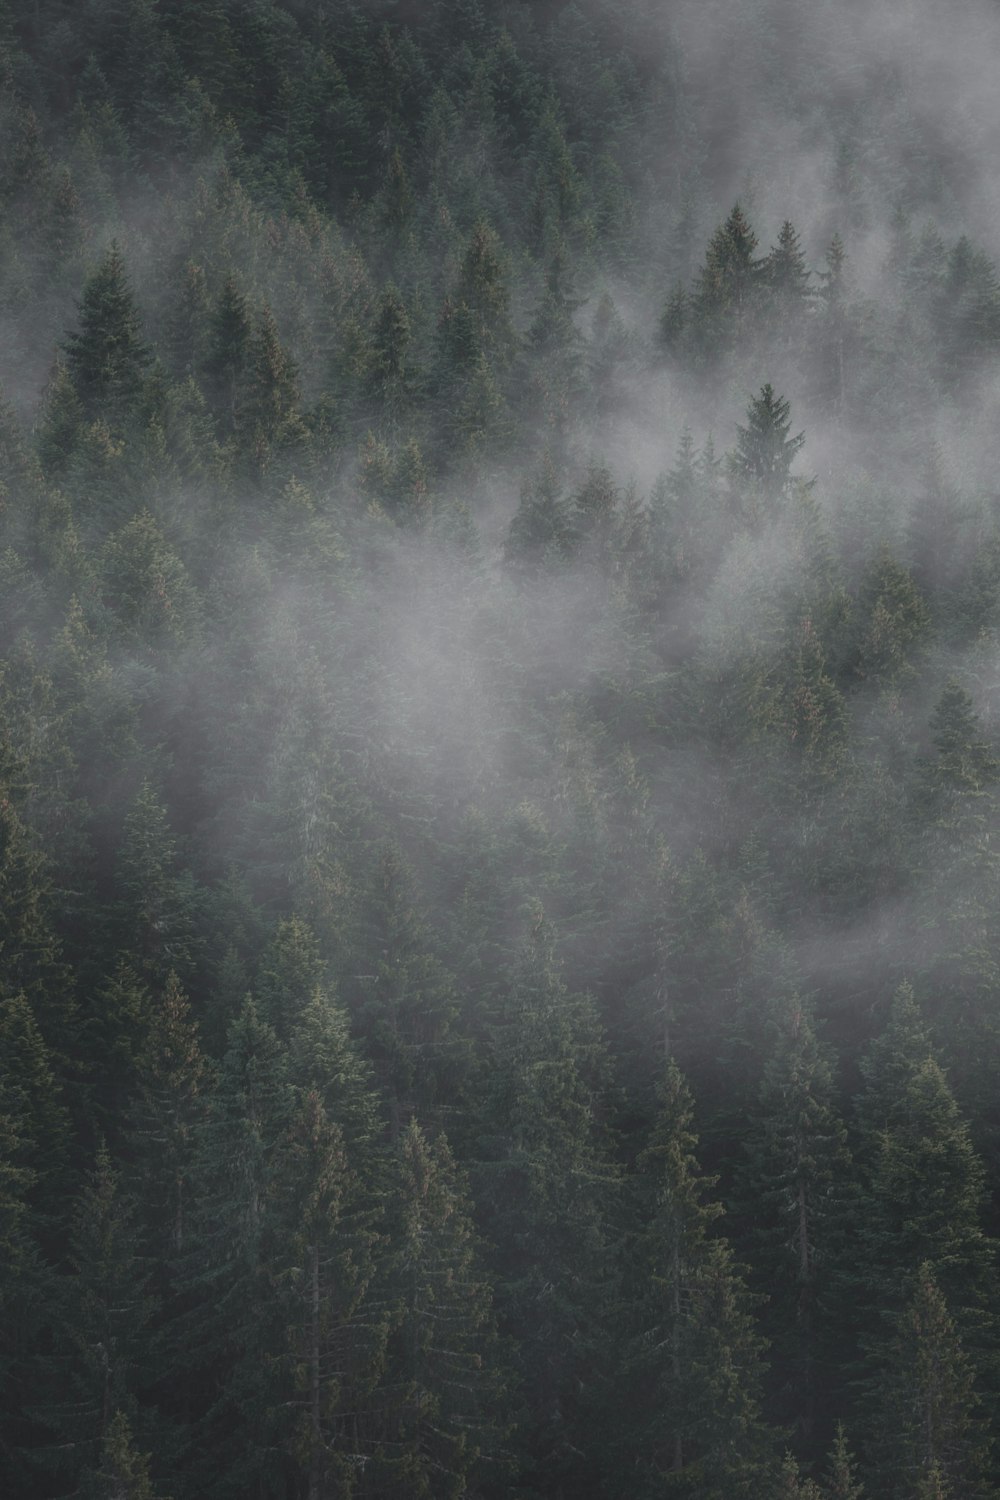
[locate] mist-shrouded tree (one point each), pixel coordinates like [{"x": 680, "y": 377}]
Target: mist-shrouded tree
[
  {"x": 404, "y": 998},
  {"x": 165, "y": 1117},
  {"x": 785, "y": 271},
  {"x": 921, "y": 1201},
  {"x": 107, "y": 357},
  {"x": 547, "y": 1190},
  {"x": 765, "y": 451},
  {"x": 104, "y": 1353},
  {"x": 542, "y": 532},
  {"x": 689, "y": 1387},
  {"x": 893, "y": 623},
  {"x": 335, "y": 1328},
  {"x": 797, "y": 1180},
  {"x": 234, "y": 1312},
  {"x": 439, "y": 1418},
  {"x": 729, "y": 284},
  {"x": 228, "y": 357}
]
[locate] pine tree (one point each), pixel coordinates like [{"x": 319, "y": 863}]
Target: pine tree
[
  {"x": 840, "y": 1481},
  {"x": 390, "y": 370},
  {"x": 547, "y": 1191},
  {"x": 441, "y": 1422},
  {"x": 785, "y": 271},
  {"x": 965, "y": 762},
  {"x": 291, "y": 970},
  {"x": 729, "y": 284},
  {"x": 124, "y": 1472},
  {"x": 326, "y": 1059},
  {"x": 154, "y": 902},
  {"x": 542, "y": 531},
  {"x": 106, "y": 359},
  {"x": 103, "y": 1328},
  {"x": 796, "y": 1180},
  {"x": 228, "y": 358},
  {"x": 690, "y": 1394},
  {"x": 147, "y": 586},
  {"x": 33, "y": 1101},
  {"x": 164, "y": 1118},
  {"x": 893, "y": 621},
  {"x": 235, "y": 1313},
  {"x": 762, "y": 462},
  {"x": 335, "y": 1331},
  {"x": 932, "y": 1436},
  {"x": 269, "y": 417},
  {"x": 404, "y": 999},
  {"x": 922, "y": 1196}
]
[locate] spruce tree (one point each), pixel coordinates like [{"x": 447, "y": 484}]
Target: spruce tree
[
  {"x": 440, "y": 1426},
  {"x": 104, "y": 1351},
  {"x": 796, "y": 1187},
  {"x": 692, "y": 1367},
  {"x": 765, "y": 451},
  {"x": 107, "y": 358},
  {"x": 931, "y": 1434},
  {"x": 547, "y": 1191},
  {"x": 335, "y": 1328}
]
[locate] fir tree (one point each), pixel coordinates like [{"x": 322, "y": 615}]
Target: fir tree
[
  {"x": 765, "y": 452},
  {"x": 442, "y": 1422},
  {"x": 692, "y": 1365},
  {"x": 931, "y": 1436},
  {"x": 107, "y": 359}
]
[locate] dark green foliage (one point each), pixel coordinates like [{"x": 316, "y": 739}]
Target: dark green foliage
[
  {"x": 796, "y": 1186},
  {"x": 547, "y": 1190},
  {"x": 929, "y": 1441},
  {"x": 765, "y": 451},
  {"x": 106, "y": 358},
  {"x": 440, "y": 1422},
  {"x": 387, "y": 754},
  {"x": 124, "y": 1472},
  {"x": 690, "y": 1389}
]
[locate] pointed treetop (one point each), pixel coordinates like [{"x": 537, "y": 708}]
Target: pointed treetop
[{"x": 765, "y": 449}]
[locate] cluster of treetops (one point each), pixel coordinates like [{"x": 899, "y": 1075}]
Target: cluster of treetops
[{"x": 492, "y": 1002}]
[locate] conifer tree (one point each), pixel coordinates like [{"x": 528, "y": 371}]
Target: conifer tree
[
  {"x": 124, "y": 1472},
  {"x": 335, "y": 1330},
  {"x": 33, "y": 1101},
  {"x": 441, "y": 1421},
  {"x": 729, "y": 283},
  {"x": 165, "y": 1117},
  {"x": 326, "y": 1059},
  {"x": 796, "y": 1180},
  {"x": 785, "y": 270},
  {"x": 931, "y": 1435},
  {"x": 405, "y": 999},
  {"x": 894, "y": 621},
  {"x": 272, "y": 396},
  {"x": 154, "y": 903},
  {"x": 106, "y": 358},
  {"x": 103, "y": 1329},
  {"x": 235, "y": 1312},
  {"x": 922, "y": 1197},
  {"x": 692, "y": 1362},
  {"x": 542, "y": 531},
  {"x": 765, "y": 451},
  {"x": 547, "y": 1191},
  {"x": 840, "y": 1481},
  {"x": 228, "y": 358}
]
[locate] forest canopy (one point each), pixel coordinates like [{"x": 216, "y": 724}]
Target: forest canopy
[{"x": 499, "y": 750}]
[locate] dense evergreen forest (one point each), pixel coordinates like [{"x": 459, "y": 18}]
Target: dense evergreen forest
[{"x": 499, "y": 750}]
